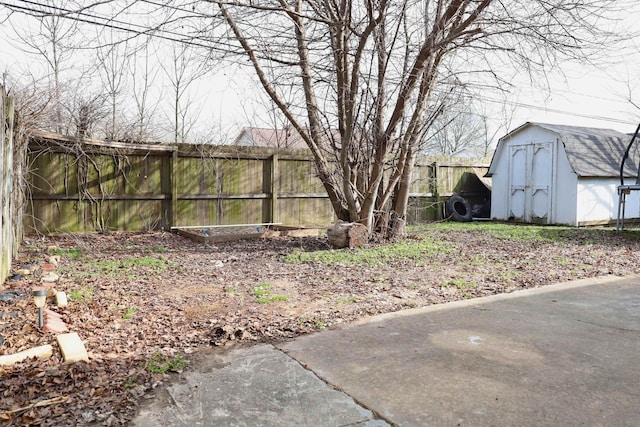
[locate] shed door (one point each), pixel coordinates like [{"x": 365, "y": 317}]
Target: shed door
[{"x": 530, "y": 180}]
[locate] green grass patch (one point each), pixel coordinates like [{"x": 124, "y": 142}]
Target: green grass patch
[
  {"x": 70, "y": 253},
  {"x": 416, "y": 251},
  {"x": 517, "y": 232},
  {"x": 160, "y": 364},
  {"x": 508, "y": 276},
  {"x": 478, "y": 259},
  {"x": 82, "y": 294},
  {"x": 262, "y": 289},
  {"x": 124, "y": 265},
  {"x": 460, "y": 284},
  {"x": 314, "y": 322},
  {"x": 129, "y": 312},
  {"x": 527, "y": 233},
  {"x": 562, "y": 260},
  {"x": 132, "y": 382},
  {"x": 346, "y": 300},
  {"x": 262, "y": 292},
  {"x": 270, "y": 299}
]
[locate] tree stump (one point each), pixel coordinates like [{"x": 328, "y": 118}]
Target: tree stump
[{"x": 348, "y": 235}]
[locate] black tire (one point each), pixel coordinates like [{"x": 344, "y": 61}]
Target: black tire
[{"x": 459, "y": 209}]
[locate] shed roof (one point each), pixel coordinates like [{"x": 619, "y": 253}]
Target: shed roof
[{"x": 592, "y": 152}]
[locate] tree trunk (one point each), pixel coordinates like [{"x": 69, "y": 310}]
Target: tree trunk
[{"x": 398, "y": 218}]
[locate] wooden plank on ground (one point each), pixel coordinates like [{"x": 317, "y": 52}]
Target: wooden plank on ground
[{"x": 42, "y": 351}]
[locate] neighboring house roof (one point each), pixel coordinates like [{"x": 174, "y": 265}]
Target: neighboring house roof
[
  {"x": 592, "y": 152},
  {"x": 264, "y": 137}
]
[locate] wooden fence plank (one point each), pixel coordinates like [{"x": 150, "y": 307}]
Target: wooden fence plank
[
  {"x": 9, "y": 234},
  {"x": 195, "y": 185},
  {"x": 173, "y": 185},
  {"x": 5, "y": 252}
]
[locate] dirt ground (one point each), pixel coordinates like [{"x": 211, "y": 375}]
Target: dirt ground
[{"x": 138, "y": 297}]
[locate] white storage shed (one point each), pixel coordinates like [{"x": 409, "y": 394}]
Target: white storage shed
[{"x": 555, "y": 174}]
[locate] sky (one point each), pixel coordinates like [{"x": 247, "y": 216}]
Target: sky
[
  {"x": 596, "y": 98},
  {"x": 605, "y": 95},
  {"x": 581, "y": 94}
]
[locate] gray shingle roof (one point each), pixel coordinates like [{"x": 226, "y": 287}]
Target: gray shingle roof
[{"x": 594, "y": 152}]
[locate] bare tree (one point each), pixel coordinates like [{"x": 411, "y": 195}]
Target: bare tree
[
  {"x": 33, "y": 100},
  {"x": 143, "y": 78},
  {"x": 183, "y": 69},
  {"x": 463, "y": 128},
  {"x": 52, "y": 40},
  {"x": 370, "y": 69},
  {"x": 458, "y": 133},
  {"x": 502, "y": 124},
  {"x": 113, "y": 57},
  {"x": 87, "y": 111},
  {"x": 118, "y": 25}
]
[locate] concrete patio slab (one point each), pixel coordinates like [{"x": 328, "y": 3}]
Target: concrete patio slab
[
  {"x": 560, "y": 355},
  {"x": 252, "y": 386}
]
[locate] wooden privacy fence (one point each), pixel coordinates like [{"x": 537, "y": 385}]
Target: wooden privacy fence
[
  {"x": 9, "y": 231},
  {"x": 94, "y": 186}
]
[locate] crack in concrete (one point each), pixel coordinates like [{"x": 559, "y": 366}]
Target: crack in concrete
[{"x": 376, "y": 415}]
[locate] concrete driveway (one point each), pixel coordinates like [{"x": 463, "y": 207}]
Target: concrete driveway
[{"x": 562, "y": 355}]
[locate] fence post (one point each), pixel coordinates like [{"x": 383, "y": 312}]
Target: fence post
[
  {"x": 435, "y": 188},
  {"x": 173, "y": 219},
  {"x": 3, "y": 190},
  {"x": 8, "y": 235},
  {"x": 273, "y": 184}
]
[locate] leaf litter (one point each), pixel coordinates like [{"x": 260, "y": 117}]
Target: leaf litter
[{"x": 134, "y": 296}]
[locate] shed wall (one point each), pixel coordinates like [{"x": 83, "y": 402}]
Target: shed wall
[
  {"x": 500, "y": 183},
  {"x": 598, "y": 201},
  {"x": 563, "y": 193}
]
